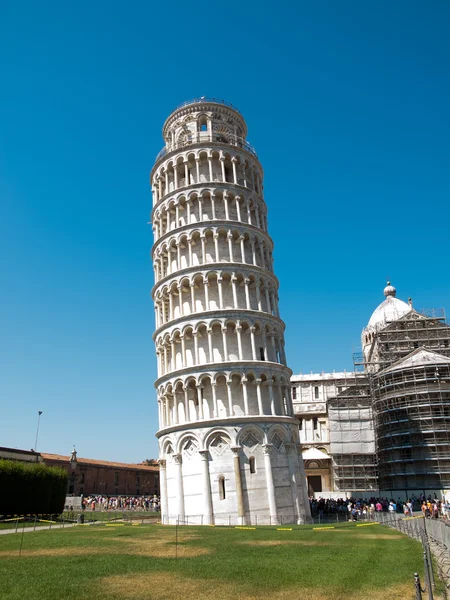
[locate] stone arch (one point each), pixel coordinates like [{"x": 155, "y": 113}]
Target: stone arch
[
  {"x": 221, "y": 391},
  {"x": 183, "y": 441},
  {"x": 250, "y": 436},
  {"x": 205, "y": 382},
  {"x": 217, "y": 441},
  {"x": 277, "y": 437},
  {"x": 167, "y": 448}
]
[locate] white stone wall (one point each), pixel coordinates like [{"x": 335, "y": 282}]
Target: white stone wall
[{"x": 221, "y": 445}]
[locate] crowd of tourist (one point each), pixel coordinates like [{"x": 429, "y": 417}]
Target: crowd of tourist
[
  {"x": 356, "y": 509},
  {"x": 141, "y": 503}
]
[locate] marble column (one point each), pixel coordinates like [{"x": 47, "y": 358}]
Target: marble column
[
  {"x": 267, "y": 451},
  {"x": 207, "y": 496},
  {"x": 163, "y": 491},
  {"x": 178, "y": 460},
  {"x": 238, "y": 478}
]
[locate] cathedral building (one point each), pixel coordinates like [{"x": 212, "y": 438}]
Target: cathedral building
[
  {"x": 407, "y": 358},
  {"x": 228, "y": 438},
  {"x": 385, "y": 428}
]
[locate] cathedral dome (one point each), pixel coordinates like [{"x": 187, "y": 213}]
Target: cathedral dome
[{"x": 390, "y": 310}]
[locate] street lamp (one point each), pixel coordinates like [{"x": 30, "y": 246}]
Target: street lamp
[{"x": 37, "y": 430}]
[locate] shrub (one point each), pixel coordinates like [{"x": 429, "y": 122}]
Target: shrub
[{"x": 31, "y": 488}]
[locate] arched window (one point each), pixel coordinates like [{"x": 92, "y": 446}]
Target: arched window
[
  {"x": 251, "y": 462},
  {"x": 203, "y": 123},
  {"x": 222, "y": 494},
  {"x": 316, "y": 392}
]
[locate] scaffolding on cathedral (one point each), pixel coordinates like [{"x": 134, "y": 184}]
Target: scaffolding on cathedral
[
  {"x": 411, "y": 402},
  {"x": 408, "y": 375},
  {"x": 352, "y": 443}
]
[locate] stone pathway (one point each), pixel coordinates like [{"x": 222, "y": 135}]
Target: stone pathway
[{"x": 38, "y": 528}]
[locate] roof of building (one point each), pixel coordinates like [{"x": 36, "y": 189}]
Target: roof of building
[
  {"x": 99, "y": 463},
  {"x": 326, "y": 376},
  {"x": 315, "y": 454},
  {"x": 389, "y": 310},
  {"x": 418, "y": 358},
  {"x": 19, "y": 451}
]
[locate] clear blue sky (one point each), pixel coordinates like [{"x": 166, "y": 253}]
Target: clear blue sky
[{"x": 347, "y": 104}]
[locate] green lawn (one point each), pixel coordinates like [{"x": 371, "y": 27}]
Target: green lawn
[{"x": 112, "y": 562}]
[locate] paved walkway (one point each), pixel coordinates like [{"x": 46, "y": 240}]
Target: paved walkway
[{"x": 38, "y": 528}]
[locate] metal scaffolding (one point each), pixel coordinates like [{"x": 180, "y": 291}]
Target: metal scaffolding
[
  {"x": 408, "y": 374},
  {"x": 352, "y": 444},
  {"x": 401, "y": 337},
  {"x": 412, "y": 417}
]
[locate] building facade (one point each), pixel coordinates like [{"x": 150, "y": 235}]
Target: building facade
[
  {"x": 228, "y": 439},
  {"x": 87, "y": 476},
  {"x": 336, "y": 431},
  {"x": 27, "y": 456}
]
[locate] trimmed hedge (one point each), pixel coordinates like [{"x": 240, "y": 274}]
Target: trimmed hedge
[{"x": 31, "y": 488}]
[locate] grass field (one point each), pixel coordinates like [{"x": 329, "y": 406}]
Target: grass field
[{"x": 118, "y": 561}]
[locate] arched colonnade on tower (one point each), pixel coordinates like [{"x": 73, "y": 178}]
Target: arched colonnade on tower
[
  {"x": 211, "y": 245},
  {"x": 219, "y": 340},
  {"x": 208, "y": 204},
  {"x": 194, "y": 167},
  {"x": 223, "y": 394},
  {"x": 205, "y": 291},
  {"x": 250, "y": 437}
]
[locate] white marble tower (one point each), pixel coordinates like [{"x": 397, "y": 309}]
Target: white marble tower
[{"x": 228, "y": 442}]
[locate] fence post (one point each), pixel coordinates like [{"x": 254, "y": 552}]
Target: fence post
[
  {"x": 417, "y": 586},
  {"x": 426, "y": 545},
  {"x": 427, "y": 574},
  {"x": 430, "y": 562}
]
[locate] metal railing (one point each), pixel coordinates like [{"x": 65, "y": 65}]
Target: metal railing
[
  {"x": 424, "y": 530},
  {"x": 206, "y": 99},
  {"x": 204, "y": 136},
  {"x": 256, "y": 520}
]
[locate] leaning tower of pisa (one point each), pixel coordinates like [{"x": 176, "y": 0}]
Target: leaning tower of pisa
[{"x": 228, "y": 440}]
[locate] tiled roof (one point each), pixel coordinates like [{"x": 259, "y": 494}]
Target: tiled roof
[{"x": 99, "y": 463}]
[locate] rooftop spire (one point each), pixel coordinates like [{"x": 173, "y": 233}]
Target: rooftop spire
[{"x": 390, "y": 290}]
